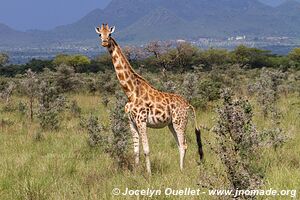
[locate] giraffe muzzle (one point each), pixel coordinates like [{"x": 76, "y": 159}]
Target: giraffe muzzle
[{"x": 104, "y": 43}]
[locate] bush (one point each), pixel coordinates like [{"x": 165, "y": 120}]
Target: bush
[
  {"x": 51, "y": 103},
  {"x": 266, "y": 89},
  {"x": 238, "y": 141},
  {"x": 30, "y": 87},
  {"x": 119, "y": 148},
  {"x": 107, "y": 82},
  {"x": 75, "y": 109},
  {"x": 66, "y": 78},
  {"x": 22, "y": 108},
  {"x": 95, "y": 132},
  {"x": 5, "y": 94}
]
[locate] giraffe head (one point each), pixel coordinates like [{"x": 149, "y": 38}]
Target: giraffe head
[{"x": 105, "y": 34}]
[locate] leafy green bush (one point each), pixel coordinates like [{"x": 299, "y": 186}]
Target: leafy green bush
[{"x": 51, "y": 103}]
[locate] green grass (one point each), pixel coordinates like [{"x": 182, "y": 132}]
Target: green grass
[{"x": 62, "y": 165}]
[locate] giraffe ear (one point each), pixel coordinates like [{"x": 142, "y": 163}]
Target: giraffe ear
[
  {"x": 112, "y": 29},
  {"x": 97, "y": 29}
]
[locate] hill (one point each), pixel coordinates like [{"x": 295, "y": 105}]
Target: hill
[{"x": 144, "y": 20}]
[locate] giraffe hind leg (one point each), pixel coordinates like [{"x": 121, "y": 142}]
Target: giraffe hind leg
[{"x": 178, "y": 133}]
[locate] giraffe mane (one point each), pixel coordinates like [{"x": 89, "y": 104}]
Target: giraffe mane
[{"x": 127, "y": 62}]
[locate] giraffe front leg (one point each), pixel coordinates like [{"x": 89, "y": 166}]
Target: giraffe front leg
[
  {"x": 142, "y": 127},
  {"x": 136, "y": 142}
]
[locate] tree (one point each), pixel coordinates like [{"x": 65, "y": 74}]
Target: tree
[
  {"x": 51, "y": 103},
  {"x": 76, "y": 61},
  {"x": 3, "y": 58},
  {"x": 66, "y": 78},
  {"x": 30, "y": 86},
  {"x": 186, "y": 55},
  {"x": 251, "y": 57},
  {"x": 157, "y": 48},
  {"x": 295, "y": 54},
  {"x": 213, "y": 57}
]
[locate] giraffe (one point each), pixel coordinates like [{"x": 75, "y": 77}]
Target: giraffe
[{"x": 147, "y": 106}]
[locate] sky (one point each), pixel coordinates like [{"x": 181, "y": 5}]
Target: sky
[{"x": 45, "y": 14}]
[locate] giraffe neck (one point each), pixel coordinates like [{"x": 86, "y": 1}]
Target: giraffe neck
[{"x": 124, "y": 71}]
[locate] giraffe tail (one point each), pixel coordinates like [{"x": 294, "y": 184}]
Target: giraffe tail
[{"x": 198, "y": 135}]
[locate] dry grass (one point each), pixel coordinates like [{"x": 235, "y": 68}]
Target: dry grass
[{"x": 61, "y": 165}]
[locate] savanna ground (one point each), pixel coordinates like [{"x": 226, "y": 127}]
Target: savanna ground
[
  {"x": 63, "y": 166},
  {"x": 40, "y": 163}
]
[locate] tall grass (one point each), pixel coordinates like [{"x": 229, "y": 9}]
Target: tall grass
[{"x": 62, "y": 165}]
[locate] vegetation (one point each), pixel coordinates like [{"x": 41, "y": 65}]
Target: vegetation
[{"x": 64, "y": 133}]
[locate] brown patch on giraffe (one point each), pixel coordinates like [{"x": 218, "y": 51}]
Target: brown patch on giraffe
[
  {"x": 119, "y": 67},
  {"x": 152, "y": 98},
  {"x": 146, "y": 97},
  {"x": 159, "y": 106},
  {"x": 158, "y": 99},
  {"x": 130, "y": 85},
  {"x": 143, "y": 112},
  {"x": 126, "y": 75},
  {"x": 121, "y": 76},
  {"x": 125, "y": 87},
  {"x": 123, "y": 62},
  {"x": 157, "y": 112},
  {"x": 172, "y": 105},
  {"x": 114, "y": 59},
  {"x": 142, "y": 91}
]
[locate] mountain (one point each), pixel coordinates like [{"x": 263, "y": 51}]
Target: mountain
[
  {"x": 121, "y": 13},
  {"x": 143, "y": 20},
  {"x": 159, "y": 24},
  {"x": 9, "y": 36}
]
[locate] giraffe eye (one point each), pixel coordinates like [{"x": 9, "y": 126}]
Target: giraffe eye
[
  {"x": 110, "y": 35},
  {"x": 99, "y": 35}
]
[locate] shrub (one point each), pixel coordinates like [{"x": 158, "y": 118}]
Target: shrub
[
  {"x": 5, "y": 94},
  {"x": 66, "y": 78},
  {"x": 266, "y": 89},
  {"x": 30, "y": 86},
  {"x": 120, "y": 133},
  {"x": 189, "y": 88},
  {"x": 51, "y": 103},
  {"x": 238, "y": 141},
  {"x": 22, "y": 108},
  {"x": 74, "y": 108},
  {"x": 95, "y": 132},
  {"x": 105, "y": 100},
  {"x": 107, "y": 82}
]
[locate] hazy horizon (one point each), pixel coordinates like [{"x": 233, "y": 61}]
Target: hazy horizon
[{"x": 45, "y": 15}]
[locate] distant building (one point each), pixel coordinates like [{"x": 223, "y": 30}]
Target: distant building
[
  {"x": 180, "y": 41},
  {"x": 240, "y": 37},
  {"x": 237, "y": 38}
]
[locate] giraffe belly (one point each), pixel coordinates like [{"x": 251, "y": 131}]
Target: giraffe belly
[{"x": 154, "y": 122}]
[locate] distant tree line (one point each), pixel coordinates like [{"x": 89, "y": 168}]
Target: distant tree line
[{"x": 157, "y": 56}]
